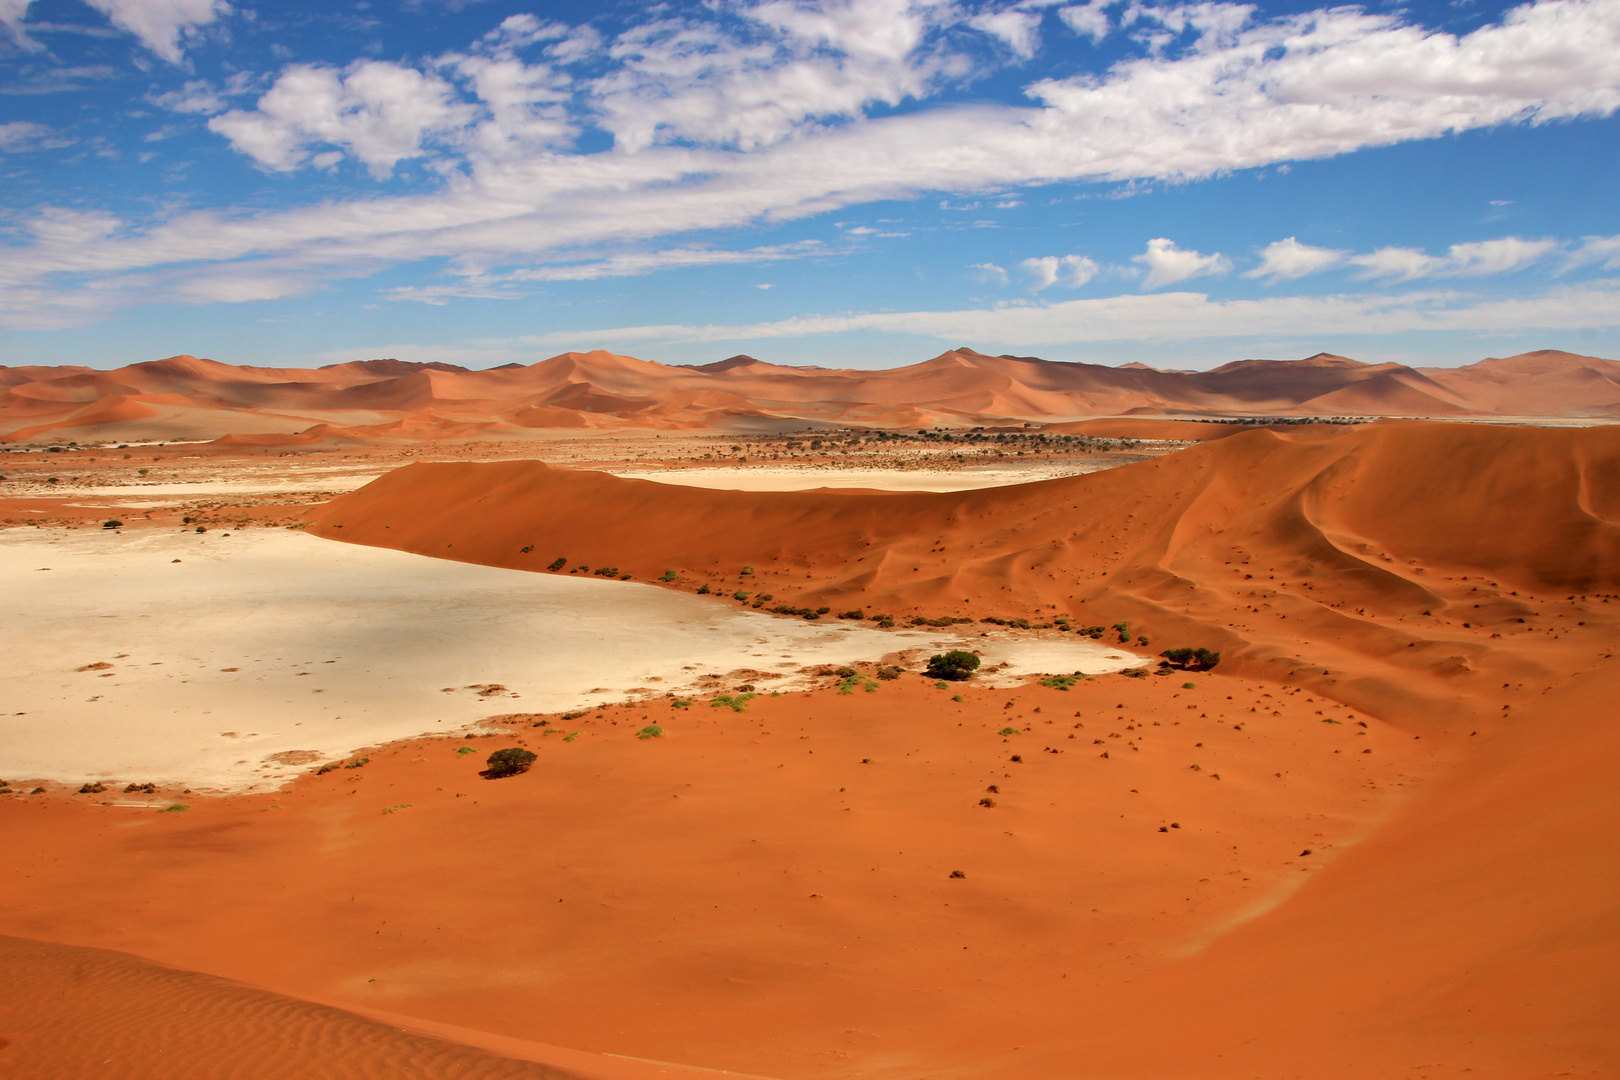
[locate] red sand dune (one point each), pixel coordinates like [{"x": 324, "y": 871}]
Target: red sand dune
[
  {"x": 1427, "y": 895},
  {"x": 394, "y": 400}
]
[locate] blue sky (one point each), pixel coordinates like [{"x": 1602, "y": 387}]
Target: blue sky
[{"x": 840, "y": 183}]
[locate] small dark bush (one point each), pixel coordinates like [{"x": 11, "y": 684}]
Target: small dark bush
[
  {"x": 856, "y": 614},
  {"x": 888, "y": 672},
  {"x": 149, "y": 788},
  {"x": 668, "y": 575},
  {"x": 823, "y": 610},
  {"x": 704, "y": 590},
  {"x": 957, "y": 664},
  {"x": 557, "y": 564},
  {"x": 508, "y": 762},
  {"x": 112, "y": 523},
  {"x": 651, "y": 731},
  {"x": 357, "y": 763},
  {"x": 845, "y": 672},
  {"x": 1191, "y": 659},
  {"x": 525, "y": 549},
  {"x": 93, "y": 789}
]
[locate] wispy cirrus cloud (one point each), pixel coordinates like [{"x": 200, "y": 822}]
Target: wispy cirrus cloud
[
  {"x": 1475, "y": 259},
  {"x": 1164, "y": 317}
]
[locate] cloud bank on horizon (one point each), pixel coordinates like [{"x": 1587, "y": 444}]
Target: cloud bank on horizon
[{"x": 489, "y": 179}]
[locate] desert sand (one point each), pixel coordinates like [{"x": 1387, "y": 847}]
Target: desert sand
[{"x": 1379, "y": 839}]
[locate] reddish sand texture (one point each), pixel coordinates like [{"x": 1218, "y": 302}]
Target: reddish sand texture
[
  {"x": 771, "y": 891},
  {"x": 390, "y": 401}
]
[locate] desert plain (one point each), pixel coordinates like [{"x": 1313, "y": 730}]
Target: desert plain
[{"x": 267, "y": 627}]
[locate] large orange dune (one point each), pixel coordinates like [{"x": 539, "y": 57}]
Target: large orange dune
[
  {"x": 184, "y": 397},
  {"x": 1380, "y": 839}
]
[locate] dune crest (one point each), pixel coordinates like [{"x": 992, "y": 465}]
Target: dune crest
[
  {"x": 1370, "y": 544},
  {"x": 184, "y": 397}
]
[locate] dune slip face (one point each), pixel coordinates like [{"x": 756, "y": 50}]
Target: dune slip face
[{"x": 1386, "y": 562}]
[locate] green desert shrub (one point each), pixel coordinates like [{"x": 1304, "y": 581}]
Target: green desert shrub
[
  {"x": 734, "y": 702},
  {"x": 1191, "y": 659},
  {"x": 856, "y": 614},
  {"x": 888, "y": 671},
  {"x": 112, "y": 523},
  {"x": 1006, "y": 731},
  {"x": 955, "y": 665},
  {"x": 93, "y": 789},
  {"x": 526, "y": 549},
  {"x": 508, "y": 762},
  {"x": 557, "y": 564},
  {"x": 1060, "y": 682},
  {"x": 704, "y": 590},
  {"x": 668, "y": 575},
  {"x": 741, "y": 595},
  {"x": 651, "y": 731}
]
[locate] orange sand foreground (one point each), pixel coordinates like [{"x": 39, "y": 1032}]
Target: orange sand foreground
[{"x": 1381, "y": 840}]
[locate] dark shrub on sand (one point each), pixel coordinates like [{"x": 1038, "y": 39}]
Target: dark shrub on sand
[{"x": 508, "y": 762}]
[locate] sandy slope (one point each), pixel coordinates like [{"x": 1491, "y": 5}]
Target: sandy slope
[{"x": 1429, "y": 895}]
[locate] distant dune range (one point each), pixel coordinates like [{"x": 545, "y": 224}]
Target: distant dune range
[{"x": 396, "y": 401}]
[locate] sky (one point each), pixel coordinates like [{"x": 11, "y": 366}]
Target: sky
[{"x": 848, "y": 183}]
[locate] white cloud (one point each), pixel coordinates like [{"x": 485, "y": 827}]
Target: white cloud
[
  {"x": 1596, "y": 249},
  {"x": 1070, "y": 271},
  {"x": 378, "y": 111},
  {"x": 1088, "y": 20},
  {"x": 159, "y": 24},
  {"x": 683, "y": 79},
  {"x": 22, "y": 135},
  {"x": 990, "y": 273},
  {"x": 1463, "y": 260},
  {"x": 1178, "y": 316},
  {"x": 634, "y": 264},
  {"x": 1020, "y": 30},
  {"x": 1497, "y": 256},
  {"x": 1287, "y": 259},
  {"x": 11, "y": 15},
  {"x": 1167, "y": 264}
]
